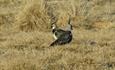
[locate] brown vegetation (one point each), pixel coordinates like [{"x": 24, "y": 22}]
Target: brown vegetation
[{"x": 25, "y": 35}]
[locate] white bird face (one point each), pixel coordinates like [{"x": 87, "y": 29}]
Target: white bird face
[{"x": 53, "y": 26}]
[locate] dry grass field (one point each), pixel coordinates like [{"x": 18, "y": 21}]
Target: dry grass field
[{"x": 25, "y": 35}]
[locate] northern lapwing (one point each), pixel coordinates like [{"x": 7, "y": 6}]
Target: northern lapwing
[{"x": 62, "y": 36}]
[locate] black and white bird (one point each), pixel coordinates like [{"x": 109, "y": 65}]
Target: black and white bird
[{"x": 62, "y": 36}]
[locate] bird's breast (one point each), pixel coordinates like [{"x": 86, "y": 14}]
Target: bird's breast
[{"x": 54, "y": 36}]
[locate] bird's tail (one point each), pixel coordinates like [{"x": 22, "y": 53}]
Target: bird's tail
[
  {"x": 56, "y": 42},
  {"x": 52, "y": 44}
]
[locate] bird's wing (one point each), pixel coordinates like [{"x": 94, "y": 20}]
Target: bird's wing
[
  {"x": 64, "y": 38},
  {"x": 59, "y": 33}
]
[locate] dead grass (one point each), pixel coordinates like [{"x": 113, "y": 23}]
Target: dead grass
[
  {"x": 33, "y": 17},
  {"x": 25, "y": 35}
]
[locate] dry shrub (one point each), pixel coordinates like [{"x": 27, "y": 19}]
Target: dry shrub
[
  {"x": 1, "y": 20},
  {"x": 93, "y": 10},
  {"x": 76, "y": 21},
  {"x": 37, "y": 14},
  {"x": 63, "y": 20},
  {"x": 33, "y": 17},
  {"x": 8, "y": 9},
  {"x": 102, "y": 25},
  {"x": 20, "y": 40},
  {"x": 61, "y": 11},
  {"x": 34, "y": 14},
  {"x": 6, "y": 20}
]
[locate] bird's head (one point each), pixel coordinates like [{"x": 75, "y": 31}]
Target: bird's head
[
  {"x": 53, "y": 23},
  {"x": 53, "y": 26}
]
